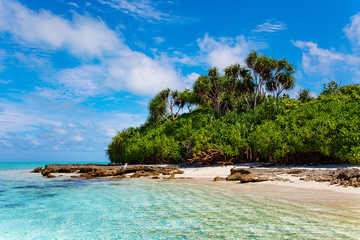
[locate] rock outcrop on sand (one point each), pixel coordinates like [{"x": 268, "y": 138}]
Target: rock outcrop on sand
[
  {"x": 102, "y": 170},
  {"x": 38, "y": 169},
  {"x": 349, "y": 176},
  {"x": 344, "y": 176},
  {"x": 246, "y": 175}
]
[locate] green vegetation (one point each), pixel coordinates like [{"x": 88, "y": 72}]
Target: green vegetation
[{"x": 245, "y": 115}]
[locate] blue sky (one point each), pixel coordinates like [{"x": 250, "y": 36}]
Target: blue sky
[{"x": 72, "y": 73}]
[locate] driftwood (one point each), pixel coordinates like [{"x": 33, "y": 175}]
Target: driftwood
[{"x": 210, "y": 157}]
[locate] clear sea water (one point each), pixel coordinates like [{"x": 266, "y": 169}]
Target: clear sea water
[{"x": 34, "y": 207}]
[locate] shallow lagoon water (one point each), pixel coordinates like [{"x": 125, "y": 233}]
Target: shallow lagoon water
[{"x": 34, "y": 207}]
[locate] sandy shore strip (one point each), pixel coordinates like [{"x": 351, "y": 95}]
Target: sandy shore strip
[
  {"x": 319, "y": 193},
  {"x": 296, "y": 184}
]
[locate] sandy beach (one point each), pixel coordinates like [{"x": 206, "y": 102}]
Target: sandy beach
[{"x": 320, "y": 193}]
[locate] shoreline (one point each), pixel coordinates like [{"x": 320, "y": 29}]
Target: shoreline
[
  {"x": 280, "y": 185},
  {"x": 324, "y": 197},
  {"x": 312, "y": 192}
]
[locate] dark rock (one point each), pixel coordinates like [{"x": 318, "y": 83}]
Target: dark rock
[
  {"x": 75, "y": 176},
  {"x": 295, "y": 171},
  {"x": 245, "y": 178},
  {"x": 120, "y": 176},
  {"x": 102, "y": 170},
  {"x": 50, "y": 175},
  {"x": 219, "y": 179},
  {"x": 234, "y": 177},
  {"x": 236, "y": 173},
  {"x": 45, "y": 172},
  {"x": 348, "y": 173},
  {"x": 239, "y": 170},
  {"x": 36, "y": 170},
  {"x": 142, "y": 173}
]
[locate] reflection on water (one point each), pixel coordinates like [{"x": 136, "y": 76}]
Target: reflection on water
[{"x": 35, "y": 207}]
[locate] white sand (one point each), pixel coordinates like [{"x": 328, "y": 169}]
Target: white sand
[{"x": 322, "y": 193}]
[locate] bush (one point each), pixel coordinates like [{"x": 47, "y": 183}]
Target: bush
[{"x": 328, "y": 125}]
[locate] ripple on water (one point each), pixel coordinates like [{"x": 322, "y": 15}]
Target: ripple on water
[{"x": 141, "y": 209}]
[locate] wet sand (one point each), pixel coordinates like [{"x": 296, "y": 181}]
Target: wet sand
[{"x": 318, "y": 193}]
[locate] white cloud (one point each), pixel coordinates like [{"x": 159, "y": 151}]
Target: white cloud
[
  {"x": 3, "y": 54},
  {"x": 77, "y": 138},
  {"x": 85, "y": 80},
  {"x": 74, "y": 4},
  {"x": 139, "y": 9},
  {"x": 331, "y": 64},
  {"x": 60, "y": 131},
  {"x": 142, "y": 75},
  {"x": 352, "y": 31},
  {"x": 82, "y": 36},
  {"x": 119, "y": 67},
  {"x": 190, "y": 79},
  {"x": 2, "y": 81},
  {"x": 36, "y": 143},
  {"x": 225, "y": 51},
  {"x": 182, "y": 58},
  {"x": 327, "y": 62},
  {"x": 270, "y": 26},
  {"x": 29, "y": 124},
  {"x": 159, "y": 40},
  {"x": 14, "y": 118}
]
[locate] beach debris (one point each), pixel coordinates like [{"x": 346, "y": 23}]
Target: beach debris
[
  {"x": 172, "y": 176},
  {"x": 211, "y": 157}
]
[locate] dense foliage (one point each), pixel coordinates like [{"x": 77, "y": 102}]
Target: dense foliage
[{"x": 243, "y": 114}]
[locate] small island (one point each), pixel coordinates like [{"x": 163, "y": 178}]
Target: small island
[
  {"x": 243, "y": 119},
  {"x": 246, "y": 116}
]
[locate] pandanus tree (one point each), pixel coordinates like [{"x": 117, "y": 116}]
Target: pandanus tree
[
  {"x": 280, "y": 77},
  {"x": 270, "y": 75},
  {"x": 189, "y": 98},
  {"x": 304, "y": 95},
  {"x": 240, "y": 82},
  {"x": 167, "y": 104},
  {"x": 212, "y": 89},
  {"x": 258, "y": 66}
]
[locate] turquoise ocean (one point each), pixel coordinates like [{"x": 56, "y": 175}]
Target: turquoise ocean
[{"x": 34, "y": 207}]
